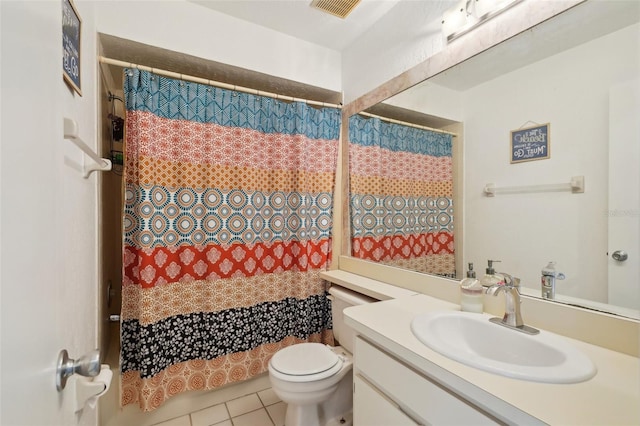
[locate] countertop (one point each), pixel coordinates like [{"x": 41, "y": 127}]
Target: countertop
[{"x": 612, "y": 397}]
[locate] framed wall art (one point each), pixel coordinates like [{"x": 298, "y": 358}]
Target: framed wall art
[
  {"x": 530, "y": 143},
  {"x": 71, "y": 34}
]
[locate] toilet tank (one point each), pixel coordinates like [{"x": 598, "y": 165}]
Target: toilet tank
[{"x": 343, "y": 298}]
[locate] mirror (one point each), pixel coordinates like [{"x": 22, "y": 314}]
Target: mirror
[{"x": 575, "y": 78}]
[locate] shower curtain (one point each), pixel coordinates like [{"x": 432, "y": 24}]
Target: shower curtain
[
  {"x": 401, "y": 187},
  {"x": 227, "y": 224}
]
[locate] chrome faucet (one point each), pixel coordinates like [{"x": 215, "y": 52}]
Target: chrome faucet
[{"x": 512, "y": 316}]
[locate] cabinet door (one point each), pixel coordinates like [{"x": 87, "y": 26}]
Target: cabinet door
[
  {"x": 372, "y": 408},
  {"x": 424, "y": 399}
]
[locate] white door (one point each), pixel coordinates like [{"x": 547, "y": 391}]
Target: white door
[
  {"x": 624, "y": 195},
  {"x": 47, "y": 215}
]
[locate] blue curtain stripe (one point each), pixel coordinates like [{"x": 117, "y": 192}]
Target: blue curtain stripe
[
  {"x": 394, "y": 137},
  {"x": 383, "y": 215},
  {"x": 181, "y": 100},
  {"x": 303, "y": 216}
]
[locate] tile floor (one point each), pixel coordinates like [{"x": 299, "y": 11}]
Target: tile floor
[{"x": 263, "y": 408}]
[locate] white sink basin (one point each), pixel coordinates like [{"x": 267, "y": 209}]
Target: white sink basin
[{"x": 471, "y": 339}]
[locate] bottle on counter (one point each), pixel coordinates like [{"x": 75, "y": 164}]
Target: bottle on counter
[
  {"x": 490, "y": 278},
  {"x": 471, "y": 292}
]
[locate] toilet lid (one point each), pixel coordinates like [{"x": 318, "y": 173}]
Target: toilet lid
[{"x": 304, "y": 359}]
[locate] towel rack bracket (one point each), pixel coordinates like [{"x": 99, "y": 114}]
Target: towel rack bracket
[
  {"x": 99, "y": 164},
  {"x": 95, "y": 167},
  {"x": 577, "y": 184}
]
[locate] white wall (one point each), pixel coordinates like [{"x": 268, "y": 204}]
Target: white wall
[
  {"x": 48, "y": 213},
  {"x": 404, "y": 37},
  {"x": 189, "y": 28},
  {"x": 570, "y": 91},
  {"x": 432, "y": 99}
]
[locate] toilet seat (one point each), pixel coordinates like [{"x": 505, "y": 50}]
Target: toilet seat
[{"x": 305, "y": 362}]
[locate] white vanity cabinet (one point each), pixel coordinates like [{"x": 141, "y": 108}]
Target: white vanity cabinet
[
  {"x": 398, "y": 376},
  {"x": 389, "y": 392},
  {"x": 372, "y": 408}
]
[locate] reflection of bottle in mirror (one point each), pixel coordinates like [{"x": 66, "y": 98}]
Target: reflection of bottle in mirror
[
  {"x": 490, "y": 277},
  {"x": 548, "y": 280},
  {"x": 471, "y": 292}
]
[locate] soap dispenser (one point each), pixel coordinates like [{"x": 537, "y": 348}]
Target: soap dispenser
[
  {"x": 471, "y": 292},
  {"x": 490, "y": 278}
]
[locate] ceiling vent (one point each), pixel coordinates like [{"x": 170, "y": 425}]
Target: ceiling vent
[{"x": 339, "y": 8}]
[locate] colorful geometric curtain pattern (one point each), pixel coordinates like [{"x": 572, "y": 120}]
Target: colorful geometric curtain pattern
[
  {"x": 401, "y": 190},
  {"x": 227, "y": 224}
]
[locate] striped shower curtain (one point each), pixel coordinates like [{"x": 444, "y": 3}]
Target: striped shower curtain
[
  {"x": 401, "y": 187},
  {"x": 227, "y": 224}
]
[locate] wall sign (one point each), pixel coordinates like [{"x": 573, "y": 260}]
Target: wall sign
[
  {"x": 530, "y": 143},
  {"x": 71, "y": 24}
]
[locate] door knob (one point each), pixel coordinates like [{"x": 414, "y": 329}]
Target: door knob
[
  {"x": 620, "y": 255},
  {"x": 87, "y": 365}
]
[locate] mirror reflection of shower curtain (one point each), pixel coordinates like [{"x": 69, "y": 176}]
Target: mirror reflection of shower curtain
[
  {"x": 227, "y": 225},
  {"x": 401, "y": 196}
]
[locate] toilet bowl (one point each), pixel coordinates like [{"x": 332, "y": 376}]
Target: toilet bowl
[{"x": 315, "y": 380}]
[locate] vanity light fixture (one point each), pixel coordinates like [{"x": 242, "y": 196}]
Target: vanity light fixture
[{"x": 468, "y": 14}]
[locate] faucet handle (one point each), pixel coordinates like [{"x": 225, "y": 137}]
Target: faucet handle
[{"x": 510, "y": 280}]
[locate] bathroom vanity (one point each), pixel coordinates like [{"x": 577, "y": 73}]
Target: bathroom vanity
[{"x": 400, "y": 381}]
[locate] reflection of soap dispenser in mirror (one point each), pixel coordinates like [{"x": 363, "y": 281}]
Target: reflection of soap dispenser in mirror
[
  {"x": 471, "y": 292},
  {"x": 490, "y": 278}
]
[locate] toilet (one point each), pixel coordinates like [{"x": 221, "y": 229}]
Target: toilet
[{"x": 315, "y": 380}]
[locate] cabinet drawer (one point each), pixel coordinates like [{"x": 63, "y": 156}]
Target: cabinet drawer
[
  {"x": 417, "y": 395},
  {"x": 371, "y": 408}
]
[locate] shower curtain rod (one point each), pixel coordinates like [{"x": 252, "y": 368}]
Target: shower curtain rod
[
  {"x": 404, "y": 123},
  {"x": 185, "y": 77}
]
